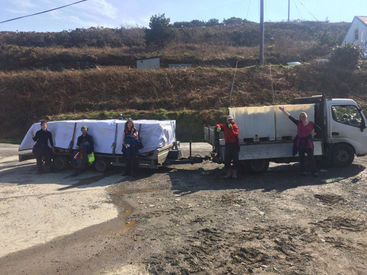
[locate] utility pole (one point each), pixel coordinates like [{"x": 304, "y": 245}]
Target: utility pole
[
  {"x": 289, "y": 11},
  {"x": 261, "y": 32}
]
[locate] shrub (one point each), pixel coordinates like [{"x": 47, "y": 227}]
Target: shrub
[
  {"x": 346, "y": 56},
  {"x": 160, "y": 32}
]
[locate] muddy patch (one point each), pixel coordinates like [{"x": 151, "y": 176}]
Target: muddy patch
[
  {"x": 330, "y": 199},
  {"x": 261, "y": 249},
  {"x": 342, "y": 223}
]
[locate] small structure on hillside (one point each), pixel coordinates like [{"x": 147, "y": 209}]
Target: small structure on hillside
[
  {"x": 357, "y": 33},
  {"x": 148, "y": 63}
]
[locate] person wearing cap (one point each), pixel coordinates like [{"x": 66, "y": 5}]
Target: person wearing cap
[
  {"x": 130, "y": 147},
  {"x": 232, "y": 146},
  {"x": 41, "y": 149},
  {"x": 85, "y": 144}
]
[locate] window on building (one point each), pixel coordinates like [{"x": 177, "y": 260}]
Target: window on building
[{"x": 356, "y": 34}]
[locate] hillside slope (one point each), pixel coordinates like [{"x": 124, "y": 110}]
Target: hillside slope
[
  {"x": 219, "y": 45},
  {"x": 200, "y": 94}
]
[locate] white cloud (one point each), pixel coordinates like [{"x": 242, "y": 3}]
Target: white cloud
[
  {"x": 86, "y": 23},
  {"x": 16, "y": 11},
  {"x": 106, "y": 9},
  {"x": 78, "y": 21},
  {"x": 23, "y": 4},
  {"x": 90, "y": 7}
]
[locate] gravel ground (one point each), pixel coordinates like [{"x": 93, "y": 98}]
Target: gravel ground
[{"x": 185, "y": 219}]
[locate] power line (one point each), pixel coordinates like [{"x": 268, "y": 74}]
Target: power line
[
  {"x": 299, "y": 11},
  {"x": 314, "y": 17},
  {"x": 41, "y": 12}
]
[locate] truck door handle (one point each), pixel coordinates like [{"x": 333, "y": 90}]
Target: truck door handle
[{"x": 335, "y": 133}]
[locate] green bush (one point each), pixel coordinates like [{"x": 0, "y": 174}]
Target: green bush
[
  {"x": 160, "y": 31},
  {"x": 346, "y": 56}
]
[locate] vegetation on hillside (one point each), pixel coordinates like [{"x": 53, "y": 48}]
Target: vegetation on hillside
[
  {"x": 199, "y": 43},
  {"x": 89, "y": 73},
  {"x": 27, "y": 96}
]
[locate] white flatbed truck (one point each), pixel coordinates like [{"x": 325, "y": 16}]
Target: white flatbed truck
[{"x": 343, "y": 134}]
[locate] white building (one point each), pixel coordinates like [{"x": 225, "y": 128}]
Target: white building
[
  {"x": 148, "y": 63},
  {"x": 357, "y": 32}
]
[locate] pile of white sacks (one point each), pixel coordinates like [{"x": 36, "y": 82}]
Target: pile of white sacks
[{"x": 153, "y": 133}]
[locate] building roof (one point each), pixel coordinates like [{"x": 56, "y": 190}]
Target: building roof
[{"x": 363, "y": 19}]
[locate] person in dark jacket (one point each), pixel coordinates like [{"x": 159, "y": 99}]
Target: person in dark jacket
[
  {"x": 41, "y": 150},
  {"x": 303, "y": 142},
  {"x": 130, "y": 147},
  {"x": 232, "y": 146},
  {"x": 85, "y": 144}
]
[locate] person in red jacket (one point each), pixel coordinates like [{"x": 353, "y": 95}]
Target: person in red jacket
[{"x": 232, "y": 148}]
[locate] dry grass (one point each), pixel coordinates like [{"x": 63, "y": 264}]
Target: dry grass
[{"x": 28, "y": 95}]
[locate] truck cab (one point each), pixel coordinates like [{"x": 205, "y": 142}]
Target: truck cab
[{"x": 344, "y": 128}]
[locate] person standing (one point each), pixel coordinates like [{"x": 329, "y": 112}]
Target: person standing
[
  {"x": 232, "y": 146},
  {"x": 85, "y": 143},
  {"x": 41, "y": 150},
  {"x": 130, "y": 147},
  {"x": 303, "y": 142}
]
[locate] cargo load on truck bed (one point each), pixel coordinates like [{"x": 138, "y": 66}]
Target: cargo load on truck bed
[
  {"x": 107, "y": 134},
  {"x": 267, "y": 123}
]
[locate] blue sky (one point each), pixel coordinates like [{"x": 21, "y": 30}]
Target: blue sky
[{"x": 132, "y": 13}]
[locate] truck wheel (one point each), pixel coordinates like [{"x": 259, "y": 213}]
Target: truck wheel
[
  {"x": 60, "y": 163},
  {"x": 342, "y": 155},
  {"x": 101, "y": 164},
  {"x": 258, "y": 165}
]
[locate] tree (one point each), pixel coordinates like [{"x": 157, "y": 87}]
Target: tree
[
  {"x": 212, "y": 22},
  {"x": 233, "y": 21},
  {"x": 160, "y": 31},
  {"x": 346, "y": 56}
]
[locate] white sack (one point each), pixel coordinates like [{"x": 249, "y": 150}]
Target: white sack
[
  {"x": 154, "y": 134},
  {"x": 254, "y": 121}
]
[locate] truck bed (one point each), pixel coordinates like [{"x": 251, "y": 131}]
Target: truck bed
[{"x": 271, "y": 150}]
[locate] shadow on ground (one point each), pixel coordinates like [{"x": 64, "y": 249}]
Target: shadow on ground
[{"x": 279, "y": 178}]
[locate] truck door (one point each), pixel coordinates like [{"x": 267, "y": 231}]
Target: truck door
[{"x": 347, "y": 125}]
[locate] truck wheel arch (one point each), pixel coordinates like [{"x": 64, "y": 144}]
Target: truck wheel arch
[{"x": 342, "y": 154}]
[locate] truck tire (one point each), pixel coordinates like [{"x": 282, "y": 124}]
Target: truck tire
[
  {"x": 60, "y": 163},
  {"x": 258, "y": 165},
  {"x": 101, "y": 164},
  {"x": 342, "y": 155}
]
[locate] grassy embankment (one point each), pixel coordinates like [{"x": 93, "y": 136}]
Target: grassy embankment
[{"x": 194, "y": 97}]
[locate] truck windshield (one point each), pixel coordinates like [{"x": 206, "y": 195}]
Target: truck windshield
[{"x": 347, "y": 114}]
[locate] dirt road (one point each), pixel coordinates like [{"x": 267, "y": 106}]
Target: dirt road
[{"x": 182, "y": 220}]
